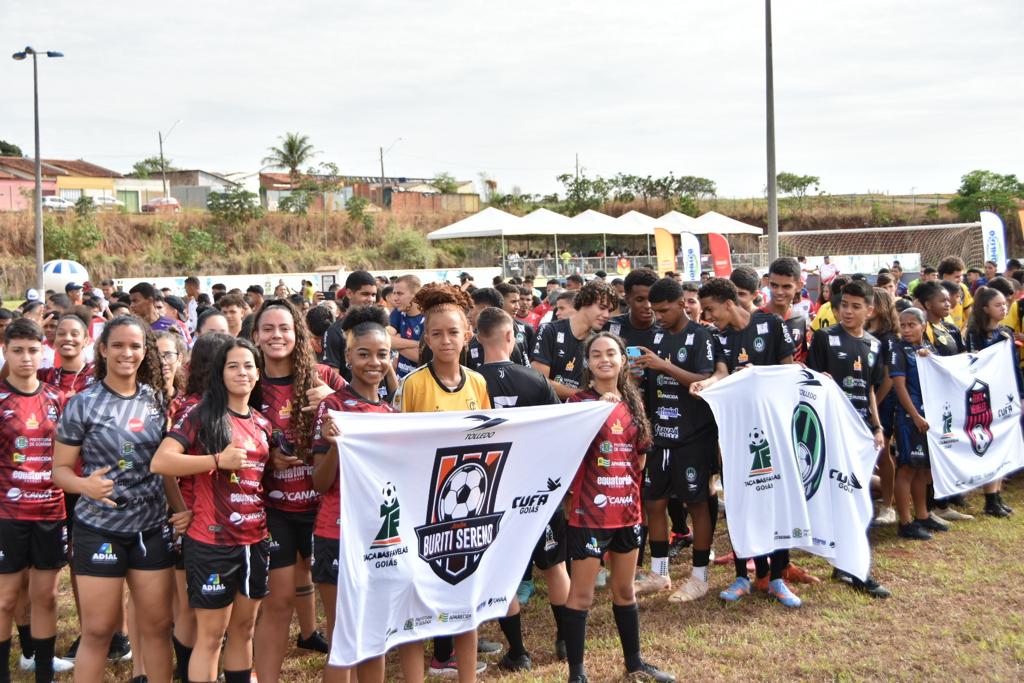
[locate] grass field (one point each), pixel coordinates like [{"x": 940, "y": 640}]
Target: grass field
[{"x": 957, "y": 613}]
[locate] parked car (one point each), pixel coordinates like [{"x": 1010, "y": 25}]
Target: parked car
[
  {"x": 162, "y": 205},
  {"x": 107, "y": 202},
  {"x": 55, "y": 203}
]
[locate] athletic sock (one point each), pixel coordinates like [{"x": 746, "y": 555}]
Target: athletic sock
[
  {"x": 627, "y": 621},
  {"x": 443, "y": 647},
  {"x": 713, "y": 511},
  {"x": 761, "y": 566},
  {"x": 512, "y": 627},
  {"x": 677, "y": 514},
  {"x": 779, "y": 562},
  {"x": 5, "y": 657},
  {"x": 241, "y": 676},
  {"x": 643, "y": 544},
  {"x": 43, "y": 649},
  {"x": 182, "y": 653},
  {"x": 574, "y": 625},
  {"x": 659, "y": 558},
  {"x": 25, "y": 640},
  {"x": 701, "y": 558},
  {"x": 741, "y": 567},
  {"x": 558, "y": 611}
]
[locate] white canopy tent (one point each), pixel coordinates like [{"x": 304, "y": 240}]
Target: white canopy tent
[
  {"x": 490, "y": 222},
  {"x": 676, "y": 222},
  {"x": 713, "y": 221}
]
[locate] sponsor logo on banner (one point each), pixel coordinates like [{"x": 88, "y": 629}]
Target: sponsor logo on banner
[
  {"x": 846, "y": 482},
  {"x": 762, "y": 452},
  {"x": 978, "y": 424},
  {"x": 460, "y": 520},
  {"x": 387, "y": 546},
  {"x": 809, "y": 446}
]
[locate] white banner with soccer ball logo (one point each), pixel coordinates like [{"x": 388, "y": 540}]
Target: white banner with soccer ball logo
[
  {"x": 796, "y": 465},
  {"x": 972, "y": 407},
  {"x": 440, "y": 513}
]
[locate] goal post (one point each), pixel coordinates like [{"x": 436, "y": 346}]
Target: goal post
[{"x": 932, "y": 242}]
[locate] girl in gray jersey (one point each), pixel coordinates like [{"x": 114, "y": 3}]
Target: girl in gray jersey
[{"x": 109, "y": 433}]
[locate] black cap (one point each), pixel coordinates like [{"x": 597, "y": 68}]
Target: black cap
[
  {"x": 71, "y": 286},
  {"x": 176, "y": 303}
]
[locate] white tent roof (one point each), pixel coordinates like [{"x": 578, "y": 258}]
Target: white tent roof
[
  {"x": 544, "y": 222},
  {"x": 490, "y": 222},
  {"x": 676, "y": 222},
  {"x": 713, "y": 221},
  {"x": 592, "y": 222}
]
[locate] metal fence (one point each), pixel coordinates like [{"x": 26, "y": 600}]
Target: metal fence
[{"x": 588, "y": 265}]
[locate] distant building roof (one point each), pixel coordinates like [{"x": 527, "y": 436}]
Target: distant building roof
[
  {"x": 24, "y": 166},
  {"x": 79, "y": 167}
]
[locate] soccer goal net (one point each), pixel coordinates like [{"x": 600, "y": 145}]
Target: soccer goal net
[{"x": 932, "y": 242}]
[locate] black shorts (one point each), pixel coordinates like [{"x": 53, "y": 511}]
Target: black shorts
[
  {"x": 70, "y": 501},
  {"x": 37, "y": 544},
  {"x": 289, "y": 533},
  {"x": 325, "y": 560},
  {"x": 216, "y": 573},
  {"x": 583, "y": 543},
  {"x": 683, "y": 472},
  {"x": 911, "y": 444},
  {"x": 111, "y": 555},
  {"x": 550, "y": 548}
]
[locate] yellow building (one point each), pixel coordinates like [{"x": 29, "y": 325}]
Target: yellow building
[{"x": 80, "y": 178}]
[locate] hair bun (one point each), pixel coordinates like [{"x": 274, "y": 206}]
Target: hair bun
[
  {"x": 441, "y": 294},
  {"x": 364, "y": 314}
]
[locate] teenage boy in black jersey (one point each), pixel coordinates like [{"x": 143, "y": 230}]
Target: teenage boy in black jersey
[
  {"x": 558, "y": 351},
  {"x": 784, "y": 282},
  {"x": 853, "y": 358},
  {"x": 524, "y": 334},
  {"x": 484, "y": 298},
  {"x": 685, "y": 448},
  {"x": 511, "y": 385},
  {"x": 747, "y": 338},
  {"x": 637, "y": 326}
]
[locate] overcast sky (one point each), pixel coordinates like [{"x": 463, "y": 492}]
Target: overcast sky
[{"x": 870, "y": 95}]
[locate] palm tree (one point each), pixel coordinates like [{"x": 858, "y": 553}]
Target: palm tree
[{"x": 295, "y": 150}]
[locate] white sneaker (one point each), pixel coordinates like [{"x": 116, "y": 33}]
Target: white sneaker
[
  {"x": 59, "y": 665},
  {"x": 886, "y": 516},
  {"x": 951, "y": 515},
  {"x": 27, "y": 663},
  {"x": 651, "y": 583},
  {"x": 693, "y": 589}
]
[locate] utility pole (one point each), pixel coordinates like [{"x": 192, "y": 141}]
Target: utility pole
[
  {"x": 382, "y": 177},
  {"x": 163, "y": 166},
  {"x": 577, "y": 166},
  {"x": 773, "y": 199}
]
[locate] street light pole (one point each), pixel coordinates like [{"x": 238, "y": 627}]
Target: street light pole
[
  {"x": 40, "y": 256},
  {"x": 163, "y": 164},
  {"x": 773, "y": 198}
]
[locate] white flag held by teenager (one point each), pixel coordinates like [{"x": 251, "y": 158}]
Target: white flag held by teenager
[
  {"x": 440, "y": 513},
  {"x": 972, "y": 406},
  {"x": 796, "y": 465}
]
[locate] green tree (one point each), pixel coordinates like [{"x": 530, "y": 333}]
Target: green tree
[
  {"x": 9, "y": 149},
  {"x": 582, "y": 193},
  {"x": 69, "y": 239},
  {"x": 695, "y": 187},
  {"x": 85, "y": 207},
  {"x": 445, "y": 183},
  {"x": 189, "y": 246},
  {"x": 235, "y": 206},
  {"x": 294, "y": 151},
  {"x": 151, "y": 166},
  {"x": 796, "y": 185},
  {"x": 356, "y": 207},
  {"x": 987, "y": 191}
]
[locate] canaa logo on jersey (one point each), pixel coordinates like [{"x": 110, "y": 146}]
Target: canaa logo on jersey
[{"x": 809, "y": 447}]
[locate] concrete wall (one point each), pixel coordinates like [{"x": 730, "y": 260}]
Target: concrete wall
[{"x": 16, "y": 194}]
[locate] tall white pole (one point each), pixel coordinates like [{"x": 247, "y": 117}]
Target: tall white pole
[{"x": 773, "y": 200}]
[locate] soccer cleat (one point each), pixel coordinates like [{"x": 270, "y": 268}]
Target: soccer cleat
[
  {"x": 870, "y": 586},
  {"x": 450, "y": 669},
  {"x": 679, "y": 543},
  {"x": 951, "y": 515},
  {"x": 736, "y": 590},
  {"x": 728, "y": 558},
  {"x": 120, "y": 648},
  {"x": 885, "y": 517},
  {"x": 914, "y": 532},
  {"x": 560, "y": 652},
  {"x": 995, "y": 510},
  {"x": 781, "y": 592},
  {"x": 649, "y": 672},
  {"x": 795, "y": 574},
  {"x": 692, "y": 589},
  {"x": 520, "y": 663},
  {"x": 525, "y": 591},
  {"x": 652, "y": 583},
  {"x": 315, "y": 643},
  {"x": 487, "y": 647},
  {"x": 932, "y": 523},
  {"x": 1002, "y": 503}
]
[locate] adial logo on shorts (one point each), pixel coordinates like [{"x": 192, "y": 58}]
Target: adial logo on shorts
[
  {"x": 387, "y": 545},
  {"x": 809, "y": 447},
  {"x": 104, "y": 554},
  {"x": 461, "y": 523},
  {"x": 213, "y": 584}
]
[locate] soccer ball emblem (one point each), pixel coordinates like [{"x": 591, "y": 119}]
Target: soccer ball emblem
[
  {"x": 757, "y": 436},
  {"x": 389, "y": 491},
  {"x": 462, "y": 493}
]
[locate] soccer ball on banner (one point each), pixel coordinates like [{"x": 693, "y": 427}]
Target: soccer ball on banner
[
  {"x": 757, "y": 436},
  {"x": 463, "y": 492},
  {"x": 390, "y": 492}
]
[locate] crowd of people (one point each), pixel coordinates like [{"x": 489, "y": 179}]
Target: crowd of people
[{"x": 175, "y": 451}]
